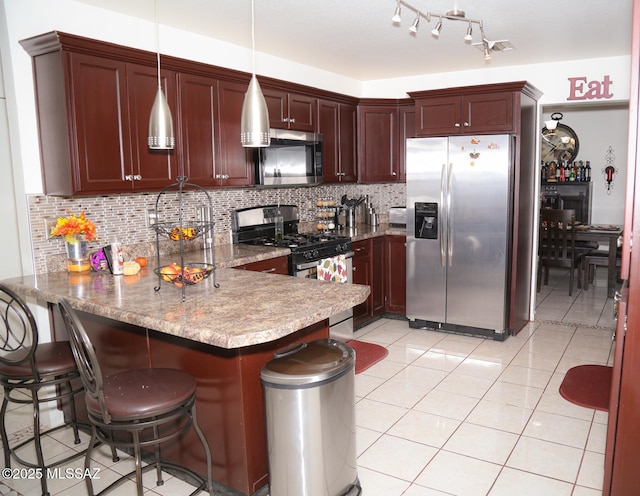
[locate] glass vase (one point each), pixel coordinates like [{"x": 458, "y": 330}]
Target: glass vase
[{"x": 78, "y": 255}]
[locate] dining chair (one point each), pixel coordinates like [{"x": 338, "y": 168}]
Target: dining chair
[
  {"x": 135, "y": 409},
  {"x": 33, "y": 373},
  {"x": 557, "y": 247}
]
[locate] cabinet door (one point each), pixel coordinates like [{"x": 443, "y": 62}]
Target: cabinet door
[
  {"x": 302, "y": 112},
  {"x": 279, "y": 265},
  {"x": 378, "y": 144},
  {"x": 290, "y": 110},
  {"x": 329, "y": 127},
  {"x": 407, "y": 121},
  {"x": 361, "y": 275},
  {"x": 238, "y": 170},
  {"x": 438, "y": 116},
  {"x": 396, "y": 277},
  {"x": 377, "y": 276},
  {"x": 198, "y": 111},
  {"x": 348, "y": 118},
  {"x": 151, "y": 169},
  {"x": 488, "y": 113},
  {"x": 102, "y": 155}
]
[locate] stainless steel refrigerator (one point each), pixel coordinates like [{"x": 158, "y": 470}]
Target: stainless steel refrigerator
[{"x": 459, "y": 233}]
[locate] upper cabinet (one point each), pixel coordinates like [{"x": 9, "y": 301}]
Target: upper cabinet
[
  {"x": 93, "y": 102},
  {"x": 337, "y": 122},
  {"x": 378, "y": 133},
  {"x": 487, "y": 109},
  {"x": 289, "y": 110}
]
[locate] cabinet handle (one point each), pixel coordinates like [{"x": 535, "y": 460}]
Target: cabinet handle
[
  {"x": 286, "y": 119},
  {"x": 292, "y": 120},
  {"x": 457, "y": 124},
  {"x": 353, "y": 269},
  {"x": 360, "y": 249},
  {"x": 466, "y": 124},
  {"x": 128, "y": 177},
  {"x": 272, "y": 269},
  {"x": 394, "y": 173},
  {"x": 137, "y": 177}
]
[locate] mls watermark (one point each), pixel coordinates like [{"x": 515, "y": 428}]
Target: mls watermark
[{"x": 51, "y": 473}]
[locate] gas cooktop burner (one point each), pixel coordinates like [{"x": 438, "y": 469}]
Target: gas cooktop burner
[{"x": 302, "y": 240}]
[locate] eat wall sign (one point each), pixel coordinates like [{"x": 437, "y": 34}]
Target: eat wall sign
[{"x": 582, "y": 89}]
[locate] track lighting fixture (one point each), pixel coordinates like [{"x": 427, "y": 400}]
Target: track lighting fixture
[
  {"x": 436, "y": 31},
  {"x": 469, "y": 35},
  {"x": 485, "y": 45},
  {"x": 396, "y": 15},
  {"x": 414, "y": 25}
]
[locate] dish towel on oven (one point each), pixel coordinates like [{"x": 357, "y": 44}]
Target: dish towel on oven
[{"x": 333, "y": 269}]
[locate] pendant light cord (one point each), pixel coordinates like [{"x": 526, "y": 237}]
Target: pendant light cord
[
  {"x": 157, "y": 41},
  {"x": 253, "y": 39}
]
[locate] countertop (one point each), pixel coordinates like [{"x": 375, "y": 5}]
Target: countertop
[{"x": 244, "y": 310}]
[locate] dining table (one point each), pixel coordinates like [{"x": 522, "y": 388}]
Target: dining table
[{"x": 603, "y": 234}]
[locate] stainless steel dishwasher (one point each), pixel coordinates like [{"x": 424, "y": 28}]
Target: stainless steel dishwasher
[{"x": 310, "y": 417}]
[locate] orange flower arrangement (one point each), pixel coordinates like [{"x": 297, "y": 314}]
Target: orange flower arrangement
[{"x": 72, "y": 225}]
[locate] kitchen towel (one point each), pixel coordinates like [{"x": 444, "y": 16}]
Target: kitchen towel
[{"x": 333, "y": 269}]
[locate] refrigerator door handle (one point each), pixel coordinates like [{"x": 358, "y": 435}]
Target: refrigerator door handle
[
  {"x": 449, "y": 223},
  {"x": 442, "y": 214}
]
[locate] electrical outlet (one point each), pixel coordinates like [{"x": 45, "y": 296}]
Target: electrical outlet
[
  {"x": 152, "y": 218},
  {"x": 49, "y": 224}
]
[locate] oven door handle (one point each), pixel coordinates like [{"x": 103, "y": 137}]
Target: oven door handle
[{"x": 309, "y": 265}]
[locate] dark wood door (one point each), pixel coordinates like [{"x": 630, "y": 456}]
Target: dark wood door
[
  {"x": 361, "y": 275},
  {"x": 102, "y": 155},
  {"x": 150, "y": 169},
  {"x": 236, "y": 159},
  {"x": 378, "y": 132},
  {"x": 407, "y": 120},
  {"x": 439, "y": 116},
  {"x": 622, "y": 452},
  {"x": 329, "y": 127},
  {"x": 488, "y": 113},
  {"x": 396, "y": 277},
  {"x": 290, "y": 110},
  {"x": 348, "y": 118},
  {"x": 377, "y": 275},
  {"x": 198, "y": 111}
]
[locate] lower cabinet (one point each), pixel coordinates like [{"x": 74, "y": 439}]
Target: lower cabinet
[
  {"x": 368, "y": 264},
  {"x": 278, "y": 265},
  {"x": 396, "y": 275}
]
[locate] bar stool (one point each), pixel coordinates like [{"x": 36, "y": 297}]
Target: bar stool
[
  {"x": 27, "y": 366},
  {"x": 135, "y": 408}
]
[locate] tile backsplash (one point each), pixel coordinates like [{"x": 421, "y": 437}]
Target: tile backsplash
[{"x": 123, "y": 217}]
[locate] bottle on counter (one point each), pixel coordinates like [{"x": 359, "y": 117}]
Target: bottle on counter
[{"x": 587, "y": 171}]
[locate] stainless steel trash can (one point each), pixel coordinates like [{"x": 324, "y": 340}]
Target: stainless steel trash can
[{"x": 310, "y": 419}]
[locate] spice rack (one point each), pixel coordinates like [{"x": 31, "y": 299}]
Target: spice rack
[
  {"x": 181, "y": 229},
  {"x": 326, "y": 215}
]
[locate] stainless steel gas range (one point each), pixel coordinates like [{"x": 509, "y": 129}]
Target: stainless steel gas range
[{"x": 322, "y": 255}]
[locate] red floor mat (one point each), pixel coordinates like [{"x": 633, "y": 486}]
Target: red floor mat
[
  {"x": 367, "y": 354},
  {"x": 588, "y": 386}
]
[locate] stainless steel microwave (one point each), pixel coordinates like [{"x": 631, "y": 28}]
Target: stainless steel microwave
[{"x": 294, "y": 158}]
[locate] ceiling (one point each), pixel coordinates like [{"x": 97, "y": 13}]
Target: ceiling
[{"x": 356, "y": 38}]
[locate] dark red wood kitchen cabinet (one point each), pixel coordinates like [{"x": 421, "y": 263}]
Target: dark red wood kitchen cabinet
[
  {"x": 379, "y": 138},
  {"x": 337, "y": 122},
  {"x": 229, "y": 394},
  {"x": 407, "y": 122},
  {"x": 289, "y": 110},
  {"x": 396, "y": 276},
  {"x": 487, "y": 109},
  {"x": 368, "y": 269},
  {"x": 234, "y": 162},
  {"x": 278, "y": 265},
  {"x": 93, "y": 120}
]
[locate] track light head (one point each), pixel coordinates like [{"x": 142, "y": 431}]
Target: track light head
[
  {"x": 397, "y": 14},
  {"x": 415, "y": 25},
  {"x": 468, "y": 36},
  {"x": 487, "y": 52},
  {"x": 436, "y": 31}
]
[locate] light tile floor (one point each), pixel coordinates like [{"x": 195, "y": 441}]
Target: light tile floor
[{"x": 446, "y": 414}]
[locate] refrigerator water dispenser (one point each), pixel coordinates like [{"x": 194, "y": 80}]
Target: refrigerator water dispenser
[{"x": 426, "y": 220}]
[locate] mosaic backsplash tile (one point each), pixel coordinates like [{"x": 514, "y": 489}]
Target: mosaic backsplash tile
[{"x": 123, "y": 217}]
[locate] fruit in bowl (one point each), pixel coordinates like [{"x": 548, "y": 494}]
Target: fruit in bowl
[{"x": 188, "y": 275}]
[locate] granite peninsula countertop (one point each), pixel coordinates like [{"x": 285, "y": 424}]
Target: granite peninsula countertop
[{"x": 247, "y": 308}]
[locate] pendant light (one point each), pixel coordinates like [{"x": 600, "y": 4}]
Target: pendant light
[
  {"x": 254, "y": 121},
  {"x": 161, "y": 135}
]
